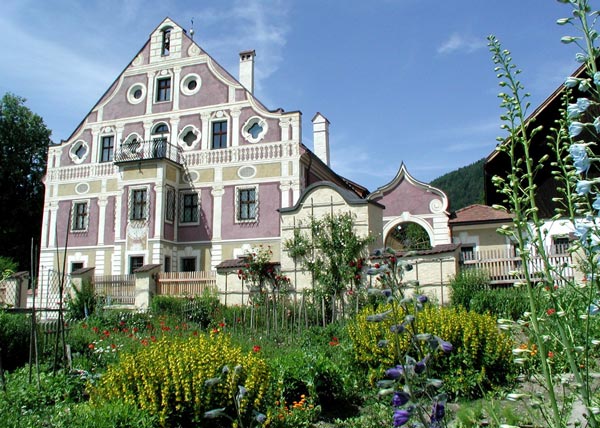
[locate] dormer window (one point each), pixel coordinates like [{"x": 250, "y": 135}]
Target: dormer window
[{"x": 166, "y": 41}]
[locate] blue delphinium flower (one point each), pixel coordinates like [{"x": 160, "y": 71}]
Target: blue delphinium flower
[
  {"x": 421, "y": 365},
  {"x": 597, "y": 78},
  {"x": 401, "y": 417},
  {"x": 575, "y": 128},
  {"x": 594, "y": 308},
  {"x": 581, "y": 161},
  {"x": 596, "y": 203},
  {"x": 597, "y": 124},
  {"x": 583, "y": 187},
  {"x": 422, "y": 298},
  {"x": 571, "y": 82}
]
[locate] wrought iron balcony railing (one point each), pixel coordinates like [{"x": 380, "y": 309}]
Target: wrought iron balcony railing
[{"x": 147, "y": 150}]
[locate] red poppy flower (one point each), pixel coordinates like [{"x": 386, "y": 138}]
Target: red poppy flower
[
  {"x": 551, "y": 311},
  {"x": 255, "y": 348}
]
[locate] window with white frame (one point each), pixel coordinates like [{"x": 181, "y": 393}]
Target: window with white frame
[
  {"x": 246, "y": 204},
  {"x": 219, "y": 134},
  {"x": 138, "y": 204},
  {"x": 188, "y": 209},
  {"x": 135, "y": 262},
  {"x": 254, "y": 129},
  {"x": 163, "y": 89},
  {"x": 80, "y": 216},
  {"x": 107, "y": 146},
  {"x": 188, "y": 264}
]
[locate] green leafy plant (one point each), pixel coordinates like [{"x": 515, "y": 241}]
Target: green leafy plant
[
  {"x": 82, "y": 303},
  {"x": 15, "y": 332},
  {"x": 332, "y": 252}
]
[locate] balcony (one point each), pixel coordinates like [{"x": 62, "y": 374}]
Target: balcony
[{"x": 157, "y": 149}]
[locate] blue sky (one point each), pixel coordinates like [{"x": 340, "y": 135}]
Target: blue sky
[{"x": 400, "y": 80}]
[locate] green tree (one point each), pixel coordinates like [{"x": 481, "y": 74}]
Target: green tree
[
  {"x": 24, "y": 140},
  {"x": 332, "y": 252}
]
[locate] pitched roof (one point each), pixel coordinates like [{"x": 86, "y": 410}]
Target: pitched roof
[{"x": 478, "y": 213}]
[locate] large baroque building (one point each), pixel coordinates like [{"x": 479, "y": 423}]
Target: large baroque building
[{"x": 178, "y": 164}]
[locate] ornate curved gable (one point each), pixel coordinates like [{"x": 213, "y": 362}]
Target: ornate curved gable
[{"x": 409, "y": 200}]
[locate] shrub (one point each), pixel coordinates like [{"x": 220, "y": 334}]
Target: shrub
[
  {"x": 104, "y": 415},
  {"x": 466, "y": 284},
  {"x": 82, "y": 303},
  {"x": 15, "y": 331},
  {"x": 480, "y": 361},
  {"x": 199, "y": 309},
  {"x": 180, "y": 379},
  {"x": 501, "y": 302}
]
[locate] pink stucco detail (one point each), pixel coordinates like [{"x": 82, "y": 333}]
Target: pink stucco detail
[
  {"x": 76, "y": 238},
  {"x": 407, "y": 197},
  {"x": 212, "y": 90},
  {"x": 269, "y": 200},
  {"x": 119, "y": 106},
  {"x": 202, "y": 230},
  {"x": 109, "y": 221}
]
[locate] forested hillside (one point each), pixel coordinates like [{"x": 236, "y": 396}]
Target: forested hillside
[{"x": 463, "y": 186}]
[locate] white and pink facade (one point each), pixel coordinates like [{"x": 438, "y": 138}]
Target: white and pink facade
[{"x": 177, "y": 164}]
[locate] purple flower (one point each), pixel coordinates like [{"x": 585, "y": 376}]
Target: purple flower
[
  {"x": 437, "y": 412},
  {"x": 395, "y": 372},
  {"x": 400, "y": 398},
  {"x": 422, "y": 298},
  {"x": 575, "y": 129},
  {"x": 421, "y": 365},
  {"x": 398, "y": 328},
  {"x": 583, "y": 187},
  {"x": 443, "y": 345},
  {"x": 401, "y": 417}
]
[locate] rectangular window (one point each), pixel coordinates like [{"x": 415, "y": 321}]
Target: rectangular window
[
  {"x": 188, "y": 264},
  {"x": 167, "y": 264},
  {"x": 170, "y": 207},
  {"x": 560, "y": 245},
  {"x": 189, "y": 208},
  {"x": 246, "y": 204},
  {"x": 135, "y": 262},
  {"x": 108, "y": 145},
  {"x": 219, "y": 134},
  {"x": 467, "y": 252},
  {"x": 80, "y": 216},
  {"x": 76, "y": 266},
  {"x": 139, "y": 204},
  {"x": 163, "y": 89}
]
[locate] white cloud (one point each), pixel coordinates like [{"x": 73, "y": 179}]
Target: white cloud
[{"x": 461, "y": 43}]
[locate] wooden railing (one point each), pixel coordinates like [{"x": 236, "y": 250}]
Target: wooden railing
[
  {"x": 116, "y": 289},
  {"x": 185, "y": 283},
  {"x": 504, "y": 267}
]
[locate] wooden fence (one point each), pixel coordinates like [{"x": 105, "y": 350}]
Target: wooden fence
[
  {"x": 116, "y": 289},
  {"x": 182, "y": 284},
  {"x": 504, "y": 267}
]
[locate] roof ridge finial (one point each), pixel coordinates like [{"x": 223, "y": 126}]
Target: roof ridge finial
[{"x": 192, "y": 30}]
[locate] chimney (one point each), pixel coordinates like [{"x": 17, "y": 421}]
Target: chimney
[
  {"x": 321, "y": 137},
  {"x": 247, "y": 69}
]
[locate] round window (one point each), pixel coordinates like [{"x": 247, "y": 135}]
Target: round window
[
  {"x": 136, "y": 93},
  {"x": 191, "y": 84}
]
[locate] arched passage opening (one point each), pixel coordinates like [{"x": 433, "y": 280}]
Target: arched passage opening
[{"x": 408, "y": 236}]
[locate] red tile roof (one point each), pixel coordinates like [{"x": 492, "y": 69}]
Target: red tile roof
[{"x": 479, "y": 214}]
